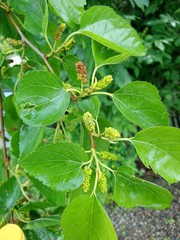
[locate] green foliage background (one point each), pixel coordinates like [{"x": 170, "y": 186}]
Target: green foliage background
[{"x": 157, "y": 23}]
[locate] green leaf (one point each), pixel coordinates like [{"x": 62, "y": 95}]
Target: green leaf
[
  {"x": 100, "y": 144},
  {"x": 132, "y": 192},
  {"x": 30, "y": 138},
  {"x": 142, "y": 3},
  {"x": 2, "y": 57},
  {"x": 2, "y": 168},
  {"x": 57, "y": 197},
  {"x": 103, "y": 25},
  {"x": 43, "y": 234},
  {"x": 105, "y": 56},
  {"x": 41, "y": 99},
  {"x": 43, "y": 222},
  {"x": 11, "y": 119},
  {"x": 69, "y": 11},
  {"x": 35, "y": 15},
  {"x": 35, "y": 205},
  {"x": 9, "y": 194},
  {"x": 85, "y": 218},
  {"x": 159, "y": 148},
  {"x": 91, "y": 105},
  {"x": 15, "y": 144},
  {"x": 140, "y": 103},
  {"x": 45, "y": 20},
  {"x": 19, "y": 6},
  {"x": 57, "y": 165},
  {"x": 69, "y": 65}
]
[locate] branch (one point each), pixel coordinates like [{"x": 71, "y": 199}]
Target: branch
[
  {"x": 5, "y": 157},
  {"x": 24, "y": 39}
]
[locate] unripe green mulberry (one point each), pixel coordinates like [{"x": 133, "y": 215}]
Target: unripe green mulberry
[
  {"x": 111, "y": 134},
  {"x": 108, "y": 156},
  {"x": 86, "y": 183},
  {"x": 13, "y": 42},
  {"x": 102, "y": 183},
  {"x": 104, "y": 82},
  {"x": 89, "y": 122},
  {"x": 59, "y": 31},
  {"x": 69, "y": 45}
]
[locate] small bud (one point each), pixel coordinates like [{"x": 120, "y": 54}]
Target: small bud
[
  {"x": 104, "y": 82},
  {"x": 89, "y": 122},
  {"x": 102, "y": 183},
  {"x": 59, "y": 136},
  {"x": 81, "y": 72},
  {"x": 67, "y": 86},
  {"x": 59, "y": 31},
  {"x": 108, "y": 156},
  {"x": 86, "y": 183},
  {"x": 88, "y": 91},
  {"x": 111, "y": 134}
]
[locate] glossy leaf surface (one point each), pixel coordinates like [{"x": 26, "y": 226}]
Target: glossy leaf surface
[
  {"x": 41, "y": 99},
  {"x": 9, "y": 194},
  {"x": 103, "y": 25},
  {"x": 11, "y": 119},
  {"x": 132, "y": 192},
  {"x": 69, "y": 65},
  {"x": 85, "y": 218},
  {"x": 43, "y": 234},
  {"x": 33, "y": 21},
  {"x": 69, "y": 11},
  {"x": 36, "y": 205},
  {"x": 105, "y": 56},
  {"x": 45, "y": 19},
  {"x": 19, "y": 6},
  {"x": 91, "y": 105},
  {"x": 57, "y": 197},
  {"x": 159, "y": 148},
  {"x": 43, "y": 222},
  {"x": 29, "y": 139},
  {"x": 57, "y": 165},
  {"x": 140, "y": 103}
]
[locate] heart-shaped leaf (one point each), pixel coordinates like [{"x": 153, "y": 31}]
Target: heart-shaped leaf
[
  {"x": 103, "y": 25},
  {"x": 41, "y": 99},
  {"x": 132, "y": 192},
  {"x": 159, "y": 148},
  {"x": 140, "y": 103},
  {"x": 85, "y": 218},
  {"x": 57, "y": 165}
]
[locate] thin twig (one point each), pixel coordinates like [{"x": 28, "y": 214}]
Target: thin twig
[{"x": 24, "y": 39}]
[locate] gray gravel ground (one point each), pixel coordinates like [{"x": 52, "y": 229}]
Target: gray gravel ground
[{"x": 147, "y": 224}]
